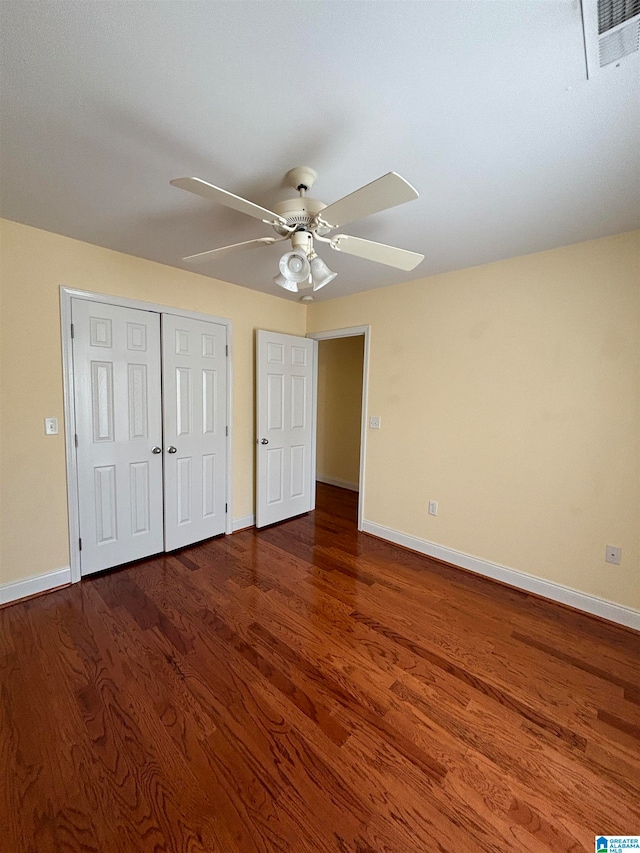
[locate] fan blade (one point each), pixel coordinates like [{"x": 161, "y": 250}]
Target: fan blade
[
  {"x": 223, "y": 250},
  {"x": 402, "y": 259},
  {"x": 381, "y": 194},
  {"x": 199, "y": 187}
]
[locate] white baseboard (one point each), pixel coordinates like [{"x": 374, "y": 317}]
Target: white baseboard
[
  {"x": 520, "y": 580},
  {"x": 241, "y": 523},
  {"x": 333, "y": 481},
  {"x": 529, "y": 583},
  {"x": 32, "y": 586}
]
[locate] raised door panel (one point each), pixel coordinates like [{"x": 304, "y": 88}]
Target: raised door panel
[
  {"x": 184, "y": 486},
  {"x": 140, "y": 498},
  {"x": 275, "y": 476},
  {"x": 275, "y": 402},
  {"x": 105, "y": 504},
  {"x": 298, "y": 403},
  {"x": 138, "y": 401},
  {"x": 297, "y": 469},
  {"x": 209, "y": 476},
  {"x": 102, "y": 413},
  {"x": 183, "y": 395}
]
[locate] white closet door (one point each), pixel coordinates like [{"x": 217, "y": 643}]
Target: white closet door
[
  {"x": 116, "y": 358},
  {"x": 195, "y": 425},
  {"x": 285, "y": 475}
]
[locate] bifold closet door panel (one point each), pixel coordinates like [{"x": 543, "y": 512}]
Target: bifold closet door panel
[
  {"x": 118, "y": 408},
  {"x": 195, "y": 429}
]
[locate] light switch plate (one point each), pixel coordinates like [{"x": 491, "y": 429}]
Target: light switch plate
[
  {"x": 50, "y": 426},
  {"x": 374, "y": 422}
]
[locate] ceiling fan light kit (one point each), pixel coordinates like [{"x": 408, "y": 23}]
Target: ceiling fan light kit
[
  {"x": 281, "y": 281},
  {"x": 303, "y": 220},
  {"x": 320, "y": 273},
  {"x": 294, "y": 266}
]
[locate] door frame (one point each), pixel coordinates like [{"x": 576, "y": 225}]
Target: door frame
[
  {"x": 66, "y": 295},
  {"x": 350, "y": 332}
]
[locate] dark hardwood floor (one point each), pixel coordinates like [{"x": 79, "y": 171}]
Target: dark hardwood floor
[{"x": 309, "y": 688}]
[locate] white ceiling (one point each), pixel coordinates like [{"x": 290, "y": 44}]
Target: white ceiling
[{"x": 483, "y": 106}]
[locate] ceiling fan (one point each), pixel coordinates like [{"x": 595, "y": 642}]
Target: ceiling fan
[{"x": 304, "y": 220}]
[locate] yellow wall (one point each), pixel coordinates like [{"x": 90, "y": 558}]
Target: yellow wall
[
  {"x": 510, "y": 393},
  {"x": 340, "y": 362},
  {"x": 33, "y": 265}
]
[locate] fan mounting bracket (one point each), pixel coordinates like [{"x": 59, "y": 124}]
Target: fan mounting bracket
[{"x": 301, "y": 177}]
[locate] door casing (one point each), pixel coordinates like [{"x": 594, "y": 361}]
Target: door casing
[{"x": 66, "y": 295}]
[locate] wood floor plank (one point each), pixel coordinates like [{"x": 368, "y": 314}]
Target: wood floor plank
[
  {"x": 527, "y": 820},
  {"x": 311, "y": 689}
]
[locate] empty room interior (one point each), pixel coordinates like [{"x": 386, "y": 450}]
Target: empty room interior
[{"x": 320, "y": 474}]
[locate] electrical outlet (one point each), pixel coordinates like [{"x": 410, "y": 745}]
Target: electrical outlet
[
  {"x": 613, "y": 555},
  {"x": 433, "y": 507}
]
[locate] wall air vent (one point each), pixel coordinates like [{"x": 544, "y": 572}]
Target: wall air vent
[
  {"x": 612, "y": 13},
  {"x": 620, "y": 42},
  {"x": 611, "y": 33}
]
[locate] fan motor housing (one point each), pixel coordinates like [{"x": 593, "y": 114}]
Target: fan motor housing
[{"x": 299, "y": 212}]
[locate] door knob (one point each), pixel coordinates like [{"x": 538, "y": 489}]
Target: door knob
[
  {"x": 172, "y": 449},
  {"x": 156, "y": 449},
  {"x": 264, "y": 441}
]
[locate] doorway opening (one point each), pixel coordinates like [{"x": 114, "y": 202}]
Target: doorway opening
[{"x": 341, "y": 397}]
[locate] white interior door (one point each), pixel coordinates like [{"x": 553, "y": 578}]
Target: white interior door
[
  {"x": 285, "y": 460},
  {"x": 116, "y": 360},
  {"x": 195, "y": 429}
]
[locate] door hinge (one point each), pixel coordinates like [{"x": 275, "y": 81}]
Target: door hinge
[
  {"x": 226, "y": 350},
  {"x": 80, "y": 544},
  {"x": 76, "y": 439},
  {"x": 226, "y": 430},
  {"x": 226, "y": 507},
  {"x": 73, "y": 332}
]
